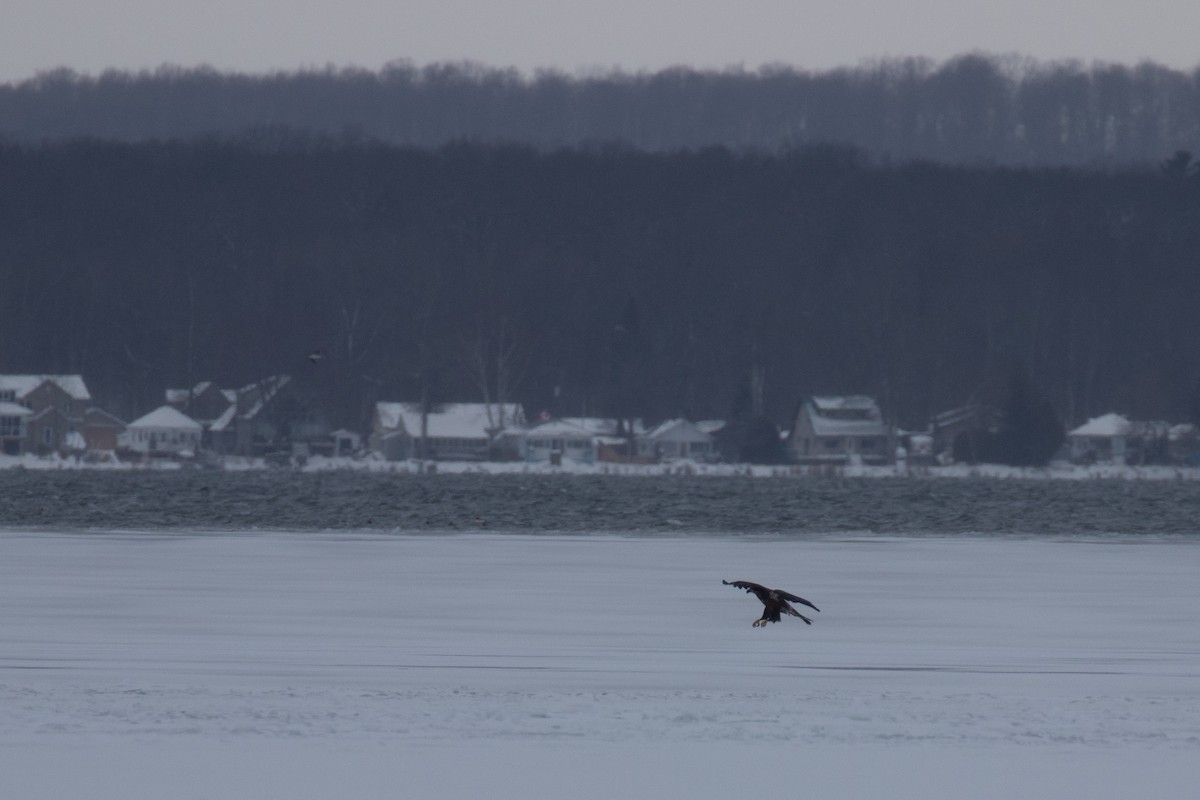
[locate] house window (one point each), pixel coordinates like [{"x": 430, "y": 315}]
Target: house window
[
  {"x": 866, "y": 444},
  {"x": 47, "y": 436},
  {"x": 10, "y": 426},
  {"x": 8, "y": 395},
  {"x": 833, "y": 444}
]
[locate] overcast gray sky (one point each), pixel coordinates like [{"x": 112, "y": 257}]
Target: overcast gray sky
[{"x": 258, "y": 35}]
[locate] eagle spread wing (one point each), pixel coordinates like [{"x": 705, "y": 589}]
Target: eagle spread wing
[
  {"x": 760, "y": 591},
  {"x": 795, "y": 599},
  {"x": 764, "y": 594}
]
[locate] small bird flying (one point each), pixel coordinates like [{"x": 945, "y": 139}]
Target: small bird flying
[{"x": 775, "y": 602}]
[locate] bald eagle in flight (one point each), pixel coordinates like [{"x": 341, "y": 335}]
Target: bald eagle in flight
[{"x": 775, "y": 601}]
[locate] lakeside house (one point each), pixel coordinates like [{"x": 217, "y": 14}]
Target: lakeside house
[
  {"x": 1115, "y": 439},
  {"x": 615, "y": 439},
  {"x": 101, "y": 430},
  {"x": 43, "y": 414},
  {"x": 556, "y": 442},
  {"x": 444, "y": 432},
  {"x": 841, "y": 430},
  {"x": 675, "y": 440},
  {"x": 164, "y": 431},
  {"x": 268, "y": 416},
  {"x": 957, "y": 432}
]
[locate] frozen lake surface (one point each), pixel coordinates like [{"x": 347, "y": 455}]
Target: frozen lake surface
[{"x": 365, "y": 664}]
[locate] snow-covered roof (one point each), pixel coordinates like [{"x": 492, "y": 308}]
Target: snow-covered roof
[
  {"x": 449, "y": 420},
  {"x": 177, "y": 396},
  {"x": 678, "y": 430},
  {"x": 604, "y": 426},
  {"x": 22, "y": 385},
  {"x": 611, "y": 441},
  {"x": 559, "y": 429},
  {"x": 859, "y": 402},
  {"x": 823, "y": 426},
  {"x": 222, "y": 422},
  {"x": 1183, "y": 430},
  {"x": 166, "y": 417},
  {"x": 710, "y": 426},
  {"x": 13, "y": 410},
  {"x": 974, "y": 413},
  {"x": 1103, "y": 426},
  {"x": 252, "y": 397},
  {"x": 855, "y": 415}
]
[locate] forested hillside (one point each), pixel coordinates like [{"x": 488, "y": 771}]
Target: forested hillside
[
  {"x": 972, "y": 109},
  {"x": 600, "y": 280}
]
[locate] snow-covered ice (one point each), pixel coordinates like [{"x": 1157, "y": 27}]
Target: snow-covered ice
[{"x": 390, "y": 665}]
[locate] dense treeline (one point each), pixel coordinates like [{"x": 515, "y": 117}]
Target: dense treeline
[
  {"x": 973, "y": 108},
  {"x": 598, "y": 281}
]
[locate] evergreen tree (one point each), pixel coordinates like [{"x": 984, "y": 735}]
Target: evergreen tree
[
  {"x": 761, "y": 443},
  {"x": 1030, "y": 430}
]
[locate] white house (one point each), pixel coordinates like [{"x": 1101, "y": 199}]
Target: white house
[
  {"x": 841, "y": 430},
  {"x": 164, "y": 430},
  {"x": 1102, "y": 438},
  {"x": 615, "y": 440},
  {"x": 676, "y": 439},
  {"x": 449, "y": 432},
  {"x": 558, "y": 442},
  {"x": 1115, "y": 439}
]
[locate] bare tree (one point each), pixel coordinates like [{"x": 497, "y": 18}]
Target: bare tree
[{"x": 497, "y": 364}]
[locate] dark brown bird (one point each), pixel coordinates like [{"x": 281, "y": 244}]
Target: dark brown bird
[{"x": 775, "y": 601}]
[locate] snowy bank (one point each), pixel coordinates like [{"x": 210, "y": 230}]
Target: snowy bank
[{"x": 316, "y": 464}]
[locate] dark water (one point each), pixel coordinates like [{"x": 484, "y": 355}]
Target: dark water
[{"x": 282, "y": 500}]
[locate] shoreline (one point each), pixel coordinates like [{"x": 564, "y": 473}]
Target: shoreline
[{"x": 322, "y": 464}]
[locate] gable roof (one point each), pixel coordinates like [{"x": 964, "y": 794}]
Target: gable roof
[
  {"x": 974, "y": 414},
  {"x": 181, "y": 396},
  {"x": 825, "y": 416},
  {"x": 166, "y": 417},
  {"x": 559, "y": 428},
  {"x": 1104, "y": 426},
  {"x": 22, "y": 385},
  {"x": 855, "y": 402},
  {"x": 678, "y": 430},
  {"x": 253, "y": 397},
  {"x": 13, "y": 410},
  {"x": 222, "y": 422}
]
